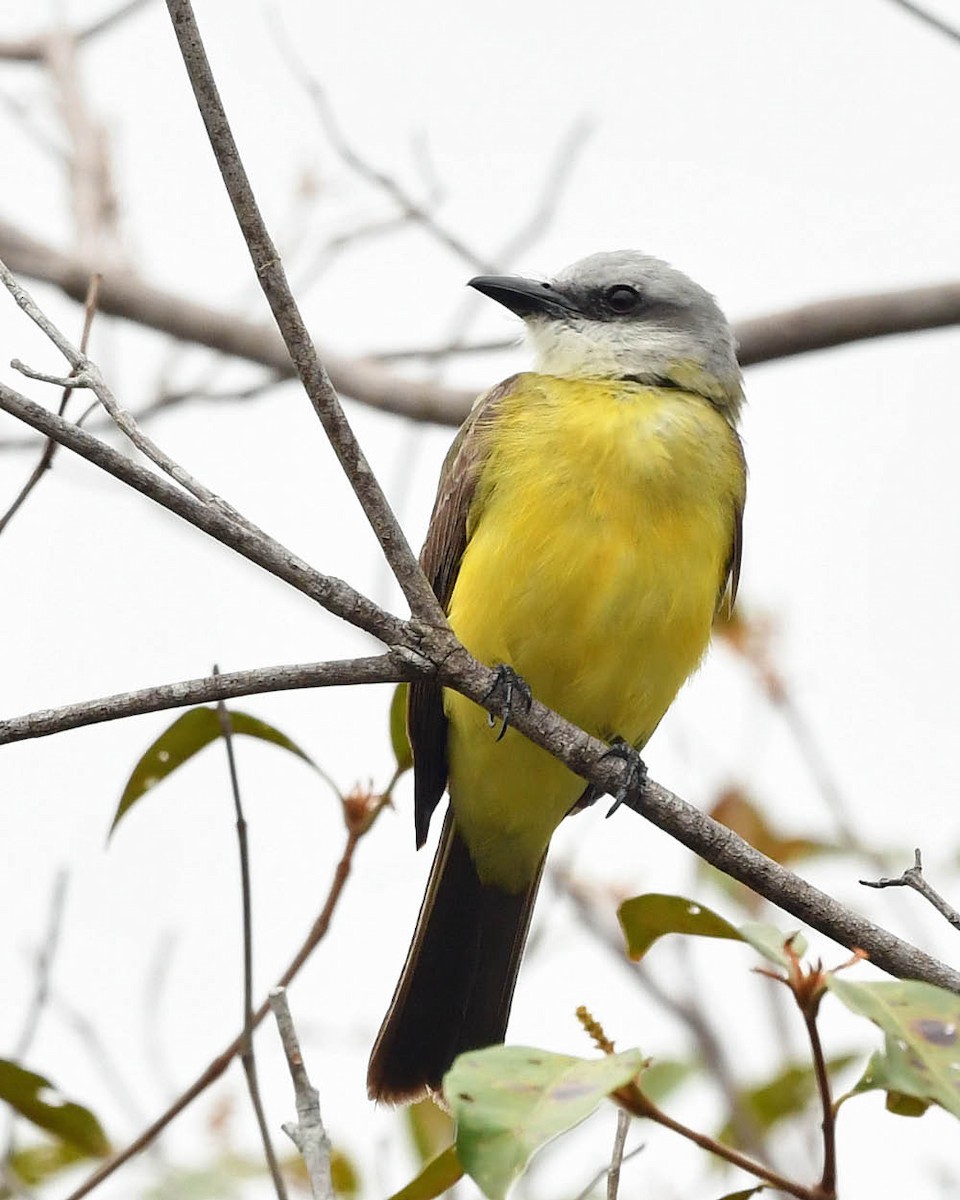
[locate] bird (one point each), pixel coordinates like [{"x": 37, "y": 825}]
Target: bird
[{"x": 587, "y": 529}]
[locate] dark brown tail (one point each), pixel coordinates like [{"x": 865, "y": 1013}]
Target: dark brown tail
[{"x": 457, "y": 984}]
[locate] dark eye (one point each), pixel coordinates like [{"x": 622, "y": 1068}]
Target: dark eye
[{"x": 622, "y": 298}]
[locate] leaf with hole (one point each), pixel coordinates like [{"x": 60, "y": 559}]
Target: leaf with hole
[{"x": 38, "y": 1101}]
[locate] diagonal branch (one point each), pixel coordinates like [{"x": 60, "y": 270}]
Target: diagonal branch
[
  {"x": 272, "y": 278},
  {"x": 435, "y": 651},
  {"x": 333, "y": 594}
]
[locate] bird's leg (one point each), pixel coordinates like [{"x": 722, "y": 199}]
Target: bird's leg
[
  {"x": 507, "y": 687},
  {"x": 634, "y": 775}
]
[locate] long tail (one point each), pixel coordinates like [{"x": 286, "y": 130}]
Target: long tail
[{"x": 457, "y": 984}]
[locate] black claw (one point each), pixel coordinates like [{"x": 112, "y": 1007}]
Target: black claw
[
  {"x": 634, "y": 775},
  {"x": 508, "y": 685}
]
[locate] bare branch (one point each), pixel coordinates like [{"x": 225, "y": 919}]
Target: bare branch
[
  {"x": 559, "y": 170},
  {"x": 270, "y": 274},
  {"x": 49, "y": 450},
  {"x": 775, "y": 336},
  {"x": 333, "y": 594},
  {"x": 913, "y": 877},
  {"x": 247, "y": 1057},
  {"x": 92, "y": 195},
  {"x": 308, "y": 1134},
  {"x": 410, "y": 208},
  {"x": 216, "y": 1068},
  {"x": 34, "y": 49},
  {"x": 436, "y": 650},
  {"x": 845, "y": 319},
  {"x": 383, "y": 668},
  {"x": 616, "y": 1159},
  {"x": 124, "y": 294},
  {"x": 684, "y": 1008}
]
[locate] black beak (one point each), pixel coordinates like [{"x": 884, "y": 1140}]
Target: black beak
[{"x": 525, "y": 297}]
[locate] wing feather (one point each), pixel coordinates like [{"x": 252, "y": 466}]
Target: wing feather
[{"x": 440, "y": 558}]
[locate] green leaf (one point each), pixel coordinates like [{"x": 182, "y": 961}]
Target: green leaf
[
  {"x": 663, "y": 1076},
  {"x": 187, "y": 736},
  {"x": 769, "y": 941},
  {"x": 647, "y": 918},
  {"x": 436, "y": 1177},
  {"x": 509, "y": 1100},
  {"x": 41, "y": 1161},
  {"x": 430, "y": 1128},
  {"x": 343, "y": 1174},
  {"x": 38, "y": 1100},
  {"x": 398, "y": 728},
  {"x": 789, "y": 1092},
  {"x": 920, "y": 1060}
]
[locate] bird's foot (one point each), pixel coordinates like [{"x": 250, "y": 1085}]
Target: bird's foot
[
  {"x": 508, "y": 687},
  {"x": 634, "y": 775}
]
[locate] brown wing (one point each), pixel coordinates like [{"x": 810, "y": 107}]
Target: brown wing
[
  {"x": 440, "y": 559},
  {"x": 731, "y": 579}
]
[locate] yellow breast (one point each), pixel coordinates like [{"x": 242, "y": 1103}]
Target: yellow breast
[{"x": 599, "y": 539}]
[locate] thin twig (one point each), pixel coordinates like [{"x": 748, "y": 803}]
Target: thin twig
[
  {"x": 247, "y": 1056},
  {"x": 634, "y": 1101},
  {"x": 563, "y": 163},
  {"x": 50, "y": 449},
  {"x": 37, "y": 1004},
  {"x": 828, "y": 1179},
  {"x": 913, "y": 877},
  {"x": 439, "y": 353},
  {"x": 410, "y": 208},
  {"x": 216, "y": 1068},
  {"x": 423, "y": 603},
  {"x": 308, "y": 1134},
  {"x": 601, "y": 1175},
  {"x": 616, "y": 1159},
  {"x": 86, "y": 374},
  {"x": 686, "y": 1009},
  {"x": 33, "y": 49}
]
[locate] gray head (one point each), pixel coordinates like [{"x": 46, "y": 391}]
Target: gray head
[{"x": 624, "y": 314}]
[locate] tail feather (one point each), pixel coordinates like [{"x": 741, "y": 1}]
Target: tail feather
[{"x": 457, "y": 983}]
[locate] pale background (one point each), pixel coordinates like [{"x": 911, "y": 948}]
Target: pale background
[{"x": 777, "y": 152}]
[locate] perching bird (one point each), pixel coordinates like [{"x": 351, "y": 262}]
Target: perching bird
[{"x": 586, "y": 529}]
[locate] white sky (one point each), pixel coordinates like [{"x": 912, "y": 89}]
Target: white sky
[{"x": 777, "y": 152}]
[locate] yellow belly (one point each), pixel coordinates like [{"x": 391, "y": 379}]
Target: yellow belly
[{"x": 598, "y": 543}]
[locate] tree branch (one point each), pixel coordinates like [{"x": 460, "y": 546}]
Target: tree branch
[
  {"x": 914, "y": 878},
  {"x": 216, "y": 1068},
  {"x": 333, "y": 594},
  {"x": 272, "y": 278},
  {"x": 308, "y": 1134},
  {"x": 247, "y": 1056},
  {"x": 778, "y": 335},
  {"x": 382, "y": 668},
  {"x": 430, "y": 650},
  {"x": 124, "y": 294}
]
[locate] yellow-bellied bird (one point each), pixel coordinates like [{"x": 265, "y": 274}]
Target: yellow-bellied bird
[{"x": 587, "y": 527}]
